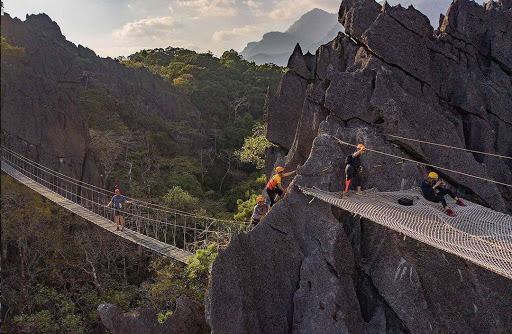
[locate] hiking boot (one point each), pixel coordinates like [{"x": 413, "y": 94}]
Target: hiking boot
[
  {"x": 460, "y": 203},
  {"x": 117, "y": 228},
  {"x": 450, "y": 213}
]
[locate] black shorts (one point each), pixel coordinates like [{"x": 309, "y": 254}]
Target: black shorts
[
  {"x": 118, "y": 213},
  {"x": 272, "y": 194},
  {"x": 354, "y": 175}
]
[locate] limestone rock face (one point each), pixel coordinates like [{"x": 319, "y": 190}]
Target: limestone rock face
[
  {"x": 188, "y": 318},
  {"x": 312, "y": 268},
  {"x": 45, "y": 93},
  {"x": 298, "y": 63}
]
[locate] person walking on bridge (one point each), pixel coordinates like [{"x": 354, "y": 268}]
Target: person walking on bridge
[
  {"x": 353, "y": 169},
  {"x": 434, "y": 190},
  {"x": 274, "y": 186},
  {"x": 260, "y": 210},
  {"x": 118, "y": 201}
]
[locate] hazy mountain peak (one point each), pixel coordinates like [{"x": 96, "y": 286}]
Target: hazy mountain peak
[
  {"x": 308, "y": 25},
  {"x": 312, "y": 29}
]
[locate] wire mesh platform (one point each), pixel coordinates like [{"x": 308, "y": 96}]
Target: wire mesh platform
[{"x": 477, "y": 234}]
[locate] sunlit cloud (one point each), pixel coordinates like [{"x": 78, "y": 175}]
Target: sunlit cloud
[
  {"x": 221, "y": 36},
  {"x": 146, "y": 28},
  {"x": 293, "y": 9},
  {"x": 211, "y": 8},
  {"x": 252, "y": 4}
]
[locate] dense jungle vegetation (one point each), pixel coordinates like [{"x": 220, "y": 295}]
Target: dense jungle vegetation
[
  {"x": 57, "y": 268},
  {"x": 179, "y": 165}
]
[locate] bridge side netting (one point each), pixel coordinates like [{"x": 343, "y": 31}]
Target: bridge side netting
[{"x": 477, "y": 234}]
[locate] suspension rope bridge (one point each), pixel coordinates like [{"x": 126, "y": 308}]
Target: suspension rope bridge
[
  {"x": 169, "y": 232},
  {"x": 477, "y": 234}
]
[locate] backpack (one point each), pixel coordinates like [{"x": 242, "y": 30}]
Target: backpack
[
  {"x": 348, "y": 159},
  {"x": 405, "y": 201}
]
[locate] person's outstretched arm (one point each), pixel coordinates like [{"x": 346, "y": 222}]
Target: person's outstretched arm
[
  {"x": 289, "y": 173},
  {"x": 357, "y": 153}
]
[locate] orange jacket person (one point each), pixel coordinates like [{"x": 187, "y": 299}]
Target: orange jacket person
[{"x": 274, "y": 186}]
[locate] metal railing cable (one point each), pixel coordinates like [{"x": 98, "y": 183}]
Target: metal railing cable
[
  {"x": 187, "y": 232},
  {"x": 424, "y": 164},
  {"x": 477, "y": 234},
  {"x": 449, "y": 146}
]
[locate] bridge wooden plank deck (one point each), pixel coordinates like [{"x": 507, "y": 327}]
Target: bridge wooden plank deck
[{"x": 130, "y": 235}]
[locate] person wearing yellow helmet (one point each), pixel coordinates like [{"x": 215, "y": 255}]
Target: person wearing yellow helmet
[
  {"x": 353, "y": 169},
  {"x": 274, "y": 186},
  {"x": 260, "y": 210},
  {"x": 434, "y": 190}
]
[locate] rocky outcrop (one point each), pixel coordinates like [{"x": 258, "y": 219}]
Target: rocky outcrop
[
  {"x": 188, "y": 318},
  {"x": 46, "y": 94},
  {"x": 311, "y": 268}
]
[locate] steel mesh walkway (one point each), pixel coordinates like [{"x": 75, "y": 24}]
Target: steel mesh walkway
[{"x": 477, "y": 234}]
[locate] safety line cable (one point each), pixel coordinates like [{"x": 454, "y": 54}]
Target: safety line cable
[
  {"x": 425, "y": 164},
  {"x": 109, "y": 193},
  {"x": 449, "y": 146}
]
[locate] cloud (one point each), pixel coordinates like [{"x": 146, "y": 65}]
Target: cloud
[
  {"x": 222, "y": 36},
  {"x": 149, "y": 33},
  {"x": 146, "y": 28},
  {"x": 252, "y": 4},
  {"x": 293, "y": 9},
  {"x": 211, "y": 8}
]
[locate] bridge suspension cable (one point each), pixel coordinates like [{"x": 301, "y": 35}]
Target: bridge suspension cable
[
  {"x": 110, "y": 193},
  {"x": 449, "y": 146},
  {"x": 424, "y": 164},
  {"x": 167, "y": 231}
]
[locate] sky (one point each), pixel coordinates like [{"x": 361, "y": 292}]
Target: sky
[{"x": 122, "y": 27}]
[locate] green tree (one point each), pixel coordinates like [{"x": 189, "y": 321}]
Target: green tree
[
  {"x": 172, "y": 280},
  {"x": 253, "y": 150},
  {"x": 178, "y": 198},
  {"x": 245, "y": 208},
  {"x": 11, "y": 52}
]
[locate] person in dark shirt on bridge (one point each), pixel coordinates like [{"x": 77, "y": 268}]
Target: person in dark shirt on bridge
[
  {"x": 353, "y": 169},
  {"x": 119, "y": 202},
  {"x": 434, "y": 190}
]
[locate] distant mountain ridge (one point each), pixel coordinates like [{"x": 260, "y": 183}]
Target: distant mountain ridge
[{"x": 311, "y": 30}]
